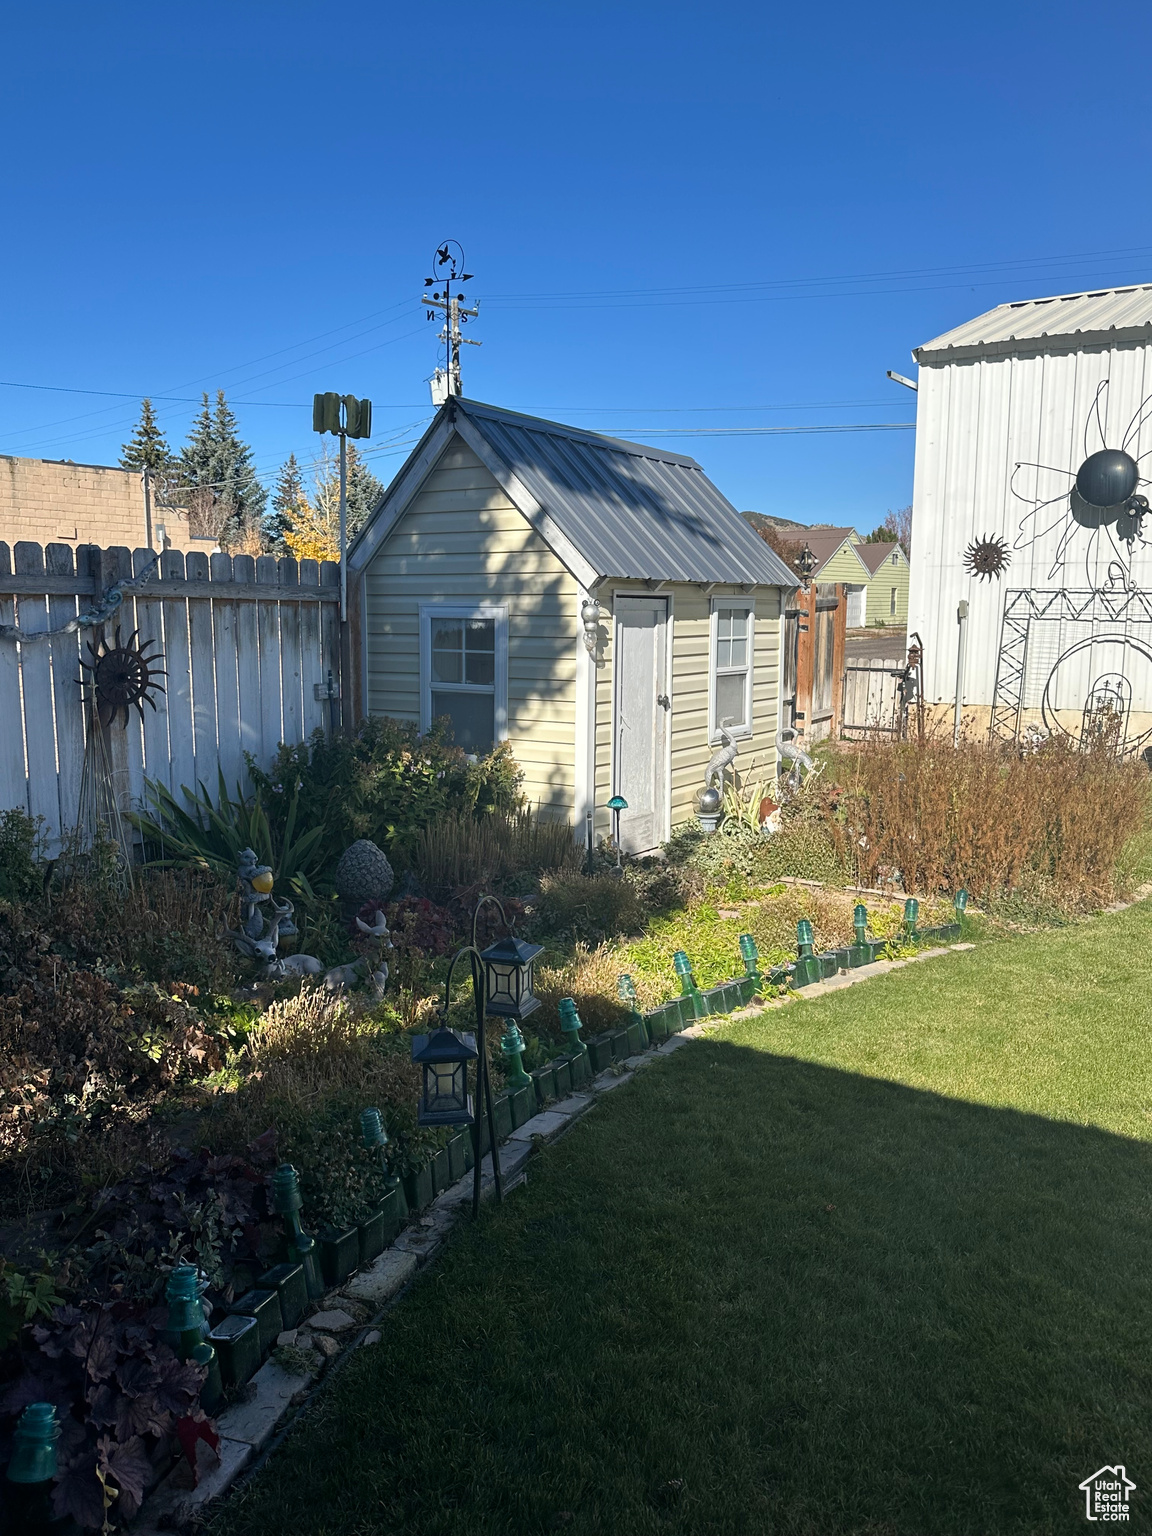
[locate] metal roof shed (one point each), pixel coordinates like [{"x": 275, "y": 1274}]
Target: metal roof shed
[{"x": 598, "y": 604}]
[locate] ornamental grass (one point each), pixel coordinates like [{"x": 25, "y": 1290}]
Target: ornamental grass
[{"x": 932, "y": 817}]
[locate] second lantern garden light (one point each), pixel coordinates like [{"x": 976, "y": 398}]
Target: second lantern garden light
[{"x": 502, "y": 987}]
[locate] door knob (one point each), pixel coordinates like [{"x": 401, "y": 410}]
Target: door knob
[{"x": 664, "y": 701}]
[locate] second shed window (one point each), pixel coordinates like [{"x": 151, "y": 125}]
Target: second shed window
[{"x": 731, "y": 701}]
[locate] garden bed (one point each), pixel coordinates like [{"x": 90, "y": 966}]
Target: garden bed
[{"x": 154, "y": 1077}]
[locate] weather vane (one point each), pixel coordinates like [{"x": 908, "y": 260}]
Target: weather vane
[{"x": 448, "y": 265}]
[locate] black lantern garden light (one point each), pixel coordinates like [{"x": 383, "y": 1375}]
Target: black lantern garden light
[
  {"x": 443, "y": 1057},
  {"x": 806, "y": 563},
  {"x": 501, "y": 986}
]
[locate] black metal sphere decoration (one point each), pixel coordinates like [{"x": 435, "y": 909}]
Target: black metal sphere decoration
[
  {"x": 987, "y": 557},
  {"x": 1107, "y": 478}
]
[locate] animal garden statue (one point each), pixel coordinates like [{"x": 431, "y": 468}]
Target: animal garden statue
[
  {"x": 720, "y": 761},
  {"x": 787, "y": 750},
  {"x": 258, "y": 936}
]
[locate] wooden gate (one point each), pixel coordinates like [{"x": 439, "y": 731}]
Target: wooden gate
[
  {"x": 872, "y": 702},
  {"x": 814, "y": 628}
]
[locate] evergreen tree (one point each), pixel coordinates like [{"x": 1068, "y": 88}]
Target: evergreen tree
[
  {"x": 148, "y": 450},
  {"x": 226, "y": 500},
  {"x": 287, "y": 499},
  {"x": 364, "y": 490}
]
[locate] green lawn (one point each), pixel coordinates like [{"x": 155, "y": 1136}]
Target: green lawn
[{"x": 874, "y": 1263}]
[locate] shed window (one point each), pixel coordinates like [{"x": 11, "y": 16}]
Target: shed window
[
  {"x": 730, "y": 700},
  {"x": 464, "y": 670}
]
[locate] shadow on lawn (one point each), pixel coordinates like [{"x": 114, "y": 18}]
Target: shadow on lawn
[{"x": 751, "y": 1293}]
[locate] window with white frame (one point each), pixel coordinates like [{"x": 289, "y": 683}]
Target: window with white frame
[
  {"x": 730, "y": 691},
  {"x": 464, "y": 673},
  {"x": 895, "y": 558}
]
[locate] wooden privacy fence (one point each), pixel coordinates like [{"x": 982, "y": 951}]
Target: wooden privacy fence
[{"x": 245, "y": 642}]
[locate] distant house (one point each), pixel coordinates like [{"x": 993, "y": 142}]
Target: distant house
[
  {"x": 836, "y": 556},
  {"x": 597, "y": 604},
  {"x": 887, "y": 592},
  {"x": 48, "y": 501}
]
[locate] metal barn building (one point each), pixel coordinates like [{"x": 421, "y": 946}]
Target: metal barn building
[{"x": 1012, "y": 407}]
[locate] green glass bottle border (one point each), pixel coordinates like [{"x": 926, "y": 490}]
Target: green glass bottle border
[{"x": 341, "y": 1253}]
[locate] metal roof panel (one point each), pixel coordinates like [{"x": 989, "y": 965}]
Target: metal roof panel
[
  {"x": 633, "y": 512},
  {"x": 1102, "y": 316}
]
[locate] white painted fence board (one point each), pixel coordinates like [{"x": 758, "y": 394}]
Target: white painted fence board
[
  {"x": 36, "y": 682},
  {"x": 248, "y": 662},
  {"x": 180, "y": 736},
  {"x": 67, "y": 697},
  {"x": 292, "y": 706},
  {"x": 150, "y": 622},
  {"x": 200, "y": 645},
  {"x": 13, "y": 774},
  {"x": 114, "y": 565},
  {"x": 225, "y": 643},
  {"x": 269, "y": 624}
]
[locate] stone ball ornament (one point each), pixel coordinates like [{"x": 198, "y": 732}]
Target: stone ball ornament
[{"x": 364, "y": 873}]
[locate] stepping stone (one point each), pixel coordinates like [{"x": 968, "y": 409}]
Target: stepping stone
[
  {"x": 576, "y": 1105},
  {"x": 546, "y": 1125},
  {"x": 614, "y": 1082},
  {"x": 381, "y": 1280},
  {"x": 337, "y": 1321},
  {"x": 253, "y": 1422}
]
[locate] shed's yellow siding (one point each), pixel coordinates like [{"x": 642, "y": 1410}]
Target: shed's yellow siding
[
  {"x": 461, "y": 540},
  {"x": 690, "y": 612}
]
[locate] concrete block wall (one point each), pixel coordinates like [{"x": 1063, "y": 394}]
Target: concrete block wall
[{"x": 47, "y": 501}]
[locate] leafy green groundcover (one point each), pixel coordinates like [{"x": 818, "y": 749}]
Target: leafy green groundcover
[{"x": 872, "y": 1263}]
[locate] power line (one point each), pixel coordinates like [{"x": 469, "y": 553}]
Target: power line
[{"x": 1022, "y": 264}]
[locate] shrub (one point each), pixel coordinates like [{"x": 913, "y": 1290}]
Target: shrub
[
  {"x": 311, "y": 1064},
  {"x": 387, "y": 782},
  {"x": 456, "y": 854},
  {"x": 986, "y": 817},
  {"x": 588, "y": 908},
  {"x": 21, "y": 847},
  {"x": 212, "y": 836}
]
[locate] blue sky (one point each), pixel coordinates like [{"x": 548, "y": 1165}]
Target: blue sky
[{"x": 681, "y": 216}]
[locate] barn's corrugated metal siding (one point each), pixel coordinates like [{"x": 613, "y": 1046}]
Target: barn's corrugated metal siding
[
  {"x": 975, "y": 422},
  {"x": 1106, "y": 315}
]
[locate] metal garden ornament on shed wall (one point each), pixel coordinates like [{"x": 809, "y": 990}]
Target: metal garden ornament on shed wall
[{"x": 1103, "y": 500}]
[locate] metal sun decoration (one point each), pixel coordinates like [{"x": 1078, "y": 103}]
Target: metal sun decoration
[
  {"x": 987, "y": 558},
  {"x": 123, "y": 675}
]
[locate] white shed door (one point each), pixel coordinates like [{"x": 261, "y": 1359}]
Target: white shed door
[{"x": 640, "y": 731}]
